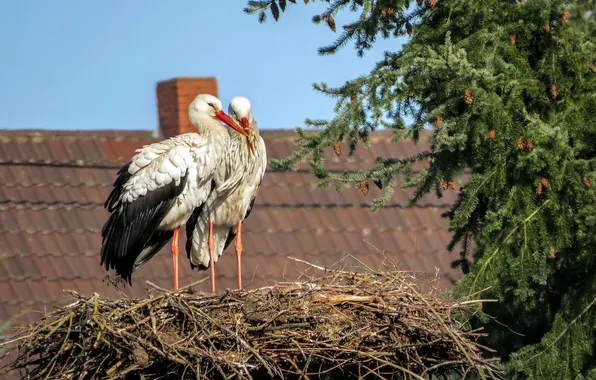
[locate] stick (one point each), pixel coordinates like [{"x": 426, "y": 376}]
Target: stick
[{"x": 164, "y": 295}]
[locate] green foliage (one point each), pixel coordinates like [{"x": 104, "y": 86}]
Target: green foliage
[{"x": 511, "y": 89}]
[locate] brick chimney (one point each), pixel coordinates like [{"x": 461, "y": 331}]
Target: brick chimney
[{"x": 173, "y": 98}]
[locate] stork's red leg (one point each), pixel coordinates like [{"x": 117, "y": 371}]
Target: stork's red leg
[
  {"x": 211, "y": 244},
  {"x": 175, "y": 257},
  {"x": 239, "y": 252}
]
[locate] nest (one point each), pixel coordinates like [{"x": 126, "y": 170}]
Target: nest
[{"x": 339, "y": 325}]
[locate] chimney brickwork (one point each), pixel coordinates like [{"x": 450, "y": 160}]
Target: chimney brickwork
[{"x": 173, "y": 98}]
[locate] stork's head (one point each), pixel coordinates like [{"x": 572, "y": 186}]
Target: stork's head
[
  {"x": 206, "y": 106},
  {"x": 240, "y": 110}
]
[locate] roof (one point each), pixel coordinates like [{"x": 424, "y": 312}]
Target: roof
[{"x": 54, "y": 184}]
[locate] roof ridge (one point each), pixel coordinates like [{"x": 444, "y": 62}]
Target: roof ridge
[
  {"x": 28, "y": 231},
  {"x": 107, "y": 164},
  {"x": 25, "y": 204},
  {"x": 53, "y": 205},
  {"x": 143, "y": 134},
  {"x": 128, "y": 134},
  {"x": 11, "y": 185}
]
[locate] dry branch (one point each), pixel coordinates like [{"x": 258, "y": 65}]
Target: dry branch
[{"x": 340, "y": 325}]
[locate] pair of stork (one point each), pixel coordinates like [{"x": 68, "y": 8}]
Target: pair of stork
[{"x": 206, "y": 180}]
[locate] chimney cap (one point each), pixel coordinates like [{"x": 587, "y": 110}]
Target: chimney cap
[{"x": 187, "y": 78}]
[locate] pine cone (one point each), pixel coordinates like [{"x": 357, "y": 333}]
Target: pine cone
[
  {"x": 354, "y": 99},
  {"x": 438, "y": 122},
  {"x": 587, "y": 183},
  {"x": 282, "y": 5},
  {"x": 331, "y": 23},
  {"x": 444, "y": 185},
  {"x": 564, "y": 18},
  {"x": 364, "y": 186},
  {"x": 530, "y": 145},
  {"x": 552, "y": 255},
  {"x": 306, "y": 1},
  {"x": 387, "y": 12},
  {"x": 409, "y": 29},
  {"x": 468, "y": 96},
  {"x": 539, "y": 189},
  {"x": 520, "y": 144},
  {"x": 492, "y": 134},
  {"x": 452, "y": 184},
  {"x": 547, "y": 28},
  {"x": 274, "y": 10},
  {"x": 419, "y": 2},
  {"x": 336, "y": 148},
  {"x": 553, "y": 91},
  {"x": 512, "y": 39},
  {"x": 432, "y": 3},
  {"x": 545, "y": 183}
]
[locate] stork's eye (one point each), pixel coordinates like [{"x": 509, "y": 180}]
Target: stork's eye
[{"x": 211, "y": 105}]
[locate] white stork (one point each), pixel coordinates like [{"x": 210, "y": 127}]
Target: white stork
[
  {"x": 157, "y": 191},
  {"x": 225, "y": 209}
]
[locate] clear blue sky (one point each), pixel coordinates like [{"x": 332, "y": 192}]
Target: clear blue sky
[{"x": 72, "y": 64}]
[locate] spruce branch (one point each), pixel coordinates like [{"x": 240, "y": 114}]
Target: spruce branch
[
  {"x": 542, "y": 354},
  {"x": 488, "y": 259},
  {"x": 469, "y": 198}
]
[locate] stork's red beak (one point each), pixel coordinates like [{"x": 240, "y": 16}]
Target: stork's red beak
[
  {"x": 222, "y": 116},
  {"x": 245, "y": 125}
]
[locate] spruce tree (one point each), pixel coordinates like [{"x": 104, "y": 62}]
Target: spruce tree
[{"x": 507, "y": 90}]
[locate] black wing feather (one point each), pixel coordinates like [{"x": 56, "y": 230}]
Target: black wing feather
[
  {"x": 129, "y": 231},
  {"x": 157, "y": 241},
  {"x": 123, "y": 177}
]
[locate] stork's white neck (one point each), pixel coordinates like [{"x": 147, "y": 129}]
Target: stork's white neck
[{"x": 207, "y": 125}]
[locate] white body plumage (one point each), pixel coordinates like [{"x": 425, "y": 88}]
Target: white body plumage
[
  {"x": 238, "y": 179},
  {"x": 158, "y": 165}
]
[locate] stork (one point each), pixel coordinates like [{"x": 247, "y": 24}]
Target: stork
[
  {"x": 227, "y": 207},
  {"x": 157, "y": 191}
]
